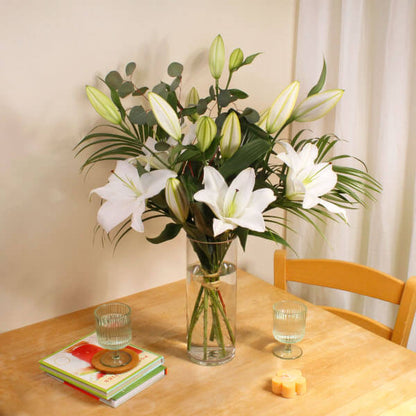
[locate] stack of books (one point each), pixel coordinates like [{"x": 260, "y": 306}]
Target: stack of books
[{"x": 72, "y": 366}]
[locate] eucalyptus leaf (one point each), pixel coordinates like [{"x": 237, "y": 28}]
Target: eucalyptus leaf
[
  {"x": 238, "y": 93},
  {"x": 150, "y": 119},
  {"x": 138, "y": 115},
  {"x": 114, "y": 80},
  {"x": 251, "y": 115},
  {"x": 225, "y": 98},
  {"x": 212, "y": 92},
  {"x": 202, "y": 106},
  {"x": 175, "y": 69},
  {"x": 162, "y": 146},
  {"x": 175, "y": 84},
  {"x": 126, "y": 89},
  {"x": 140, "y": 91},
  {"x": 161, "y": 89},
  {"x": 130, "y": 67}
]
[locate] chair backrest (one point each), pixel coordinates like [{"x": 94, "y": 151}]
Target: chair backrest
[{"x": 354, "y": 278}]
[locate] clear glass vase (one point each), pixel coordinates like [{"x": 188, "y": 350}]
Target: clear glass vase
[{"x": 211, "y": 290}]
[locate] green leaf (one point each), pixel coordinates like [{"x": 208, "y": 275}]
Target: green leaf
[
  {"x": 244, "y": 157},
  {"x": 238, "y": 93},
  {"x": 113, "y": 80},
  {"x": 169, "y": 232},
  {"x": 202, "y": 106},
  {"x": 150, "y": 119},
  {"x": 116, "y": 100},
  {"x": 175, "y": 84},
  {"x": 270, "y": 235},
  {"x": 161, "y": 89},
  {"x": 175, "y": 69},
  {"x": 188, "y": 111},
  {"x": 242, "y": 234},
  {"x": 250, "y": 59},
  {"x": 140, "y": 91},
  {"x": 130, "y": 67},
  {"x": 251, "y": 115},
  {"x": 212, "y": 92},
  {"x": 318, "y": 86},
  {"x": 138, "y": 115},
  {"x": 191, "y": 153},
  {"x": 126, "y": 89},
  {"x": 161, "y": 146},
  {"x": 225, "y": 98}
]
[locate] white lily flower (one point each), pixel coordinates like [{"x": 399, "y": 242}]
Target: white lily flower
[
  {"x": 282, "y": 108},
  {"x": 165, "y": 116},
  {"x": 235, "y": 205},
  {"x": 306, "y": 180},
  {"x": 126, "y": 193},
  {"x": 317, "y": 105}
]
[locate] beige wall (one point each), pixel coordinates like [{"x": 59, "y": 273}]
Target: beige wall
[{"x": 49, "y": 50}]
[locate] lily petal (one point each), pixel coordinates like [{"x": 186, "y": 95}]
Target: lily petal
[
  {"x": 334, "y": 208},
  {"x": 261, "y": 199},
  {"x": 251, "y": 219},
  {"x": 112, "y": 213},
  {"x": 220, "y": 226},
  {"x": 153, "y": 182},
  {"x": 239, "y": 193}
]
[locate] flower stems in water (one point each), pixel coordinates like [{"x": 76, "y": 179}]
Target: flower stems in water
[{"x": 208, "y": 302}]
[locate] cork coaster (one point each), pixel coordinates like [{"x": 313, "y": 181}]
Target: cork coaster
[{"x": 96, "y": 363}]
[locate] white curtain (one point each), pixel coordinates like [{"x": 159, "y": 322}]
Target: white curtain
[{"x": 370, "y": 50}]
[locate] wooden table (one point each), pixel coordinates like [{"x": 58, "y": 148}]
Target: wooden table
[{"x": 349, "y": 371}]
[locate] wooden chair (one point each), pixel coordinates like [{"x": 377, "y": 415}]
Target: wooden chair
[{"x": 354, "y": 278}]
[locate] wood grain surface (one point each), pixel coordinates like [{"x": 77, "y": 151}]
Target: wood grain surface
[{"x": 349, "y": 370}]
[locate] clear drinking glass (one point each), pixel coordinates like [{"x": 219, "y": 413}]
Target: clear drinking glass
[
  {"x": 289, "y": 318},
  {"x": 113, "y": 326}
]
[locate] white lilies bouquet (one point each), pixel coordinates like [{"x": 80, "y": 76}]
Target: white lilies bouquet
[{"x": 217, "y": 169}]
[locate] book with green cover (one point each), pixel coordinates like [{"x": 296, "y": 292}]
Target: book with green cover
[{"x": 73, "y": 364}]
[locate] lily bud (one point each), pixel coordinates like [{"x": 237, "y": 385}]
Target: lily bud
[
  {"x": 103, "y": 105},
  {"x": 191, "y": 100},
  {"x": 317, "y": 105},
  {"x": 206, "y": 129},
  {"x": 165, "y": 116},
  {"x": 217, "y": 57},
  {"x": 263, "y": 119},
  {"x": 236, "y": 59},
  {"x": 231, "y": 135},
  {"x": 176, "y": 199},
  {"x": 282, "y": 108}
]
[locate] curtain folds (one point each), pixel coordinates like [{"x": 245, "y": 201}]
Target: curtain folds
[{"x": 370, "y": 50}]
